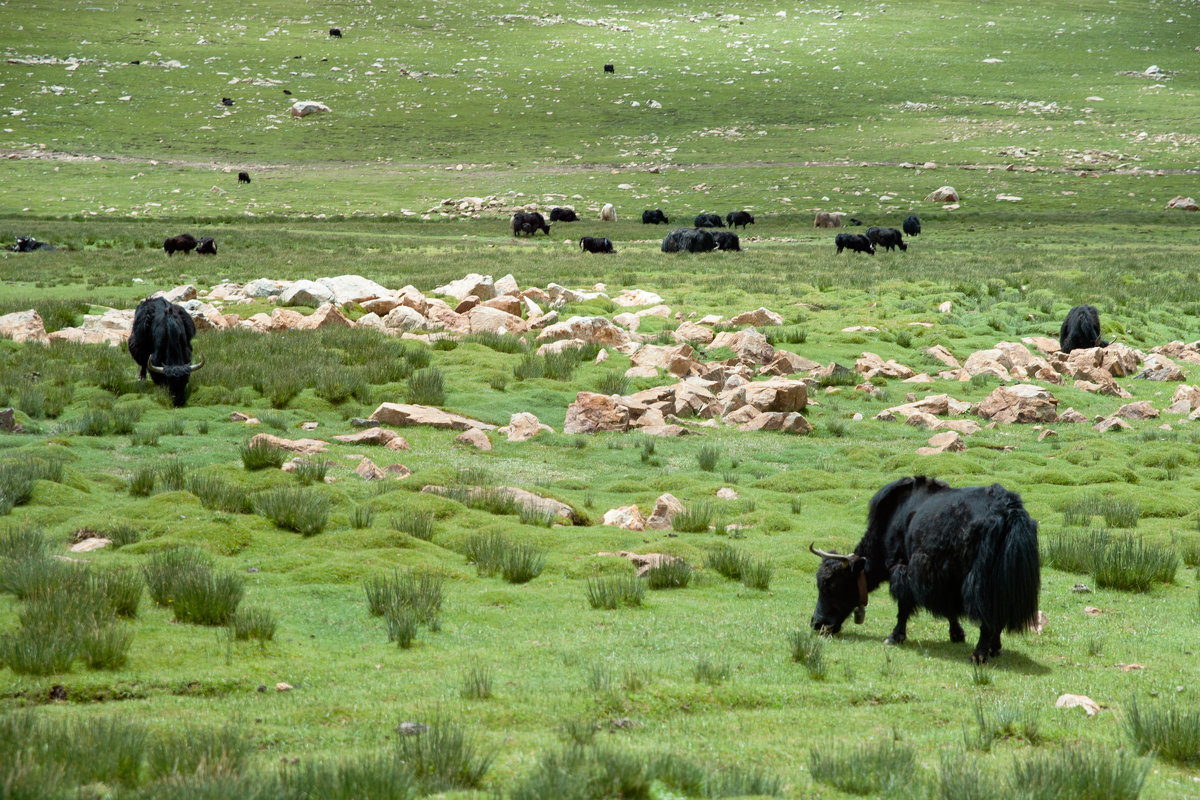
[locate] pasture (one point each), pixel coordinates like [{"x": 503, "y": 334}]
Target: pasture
[{"x": 710, "y": 688}]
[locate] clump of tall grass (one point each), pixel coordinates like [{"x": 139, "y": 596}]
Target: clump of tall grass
[
  {"x": 999, "y": 722},
  {"x": 696, "y": 518},
  {"x": 197, "y": 751},
  {"x": 756, "y": 574},
  {"x": 220, "y": 495},
  {"x": 120, "y": 587},
  {"x": 141, "y": 482},
  {"x": 963, "y": 779},
  {"x": 417, "y": 524},
  {"x": 867, "y": 768},
  {"x": 477, "y": 684},
  {"x": 427, "y": 387},
  {"x": 260, "y": 455},
  {"x": 521, "y": 563},
  {"x": 611, "y": 592},
  {"x": 420, "y": 592},
  {"x": 714, "y": 673},
  {"x": 1116, "y": 513},
  {"x": 1134, "y": 565},
  {"x": 500, "y": 342},
  {"x": 205, "y": 597},
  {"x": 1074, "y": 553},
  {"x": 707, "y": 457},
  {"x": 669, "y": 573},
  {"x": 1171, "y": 733},
  {"x": 254, "y": 623},
  {"x": 308, "y": 472},
  {"x": 444, "y": 758},
  {"x": 1076, "y": 773},
  {"x": 485, "y": 551},
  {"x": 301, "y": 510},
  {"x": 22, "y": 541},
  {"x": 613, "y": 382},
  {"x": 121, "y": 534},
  {"x": 808, "y": 649},
  {"x": 361, "y": 517},
  {"x": 727, "y": 561}
]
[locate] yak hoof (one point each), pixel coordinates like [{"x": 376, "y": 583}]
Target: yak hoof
[
  {"x": 894, "y": 639},
  {"x": 979, "y": 657},
  {"x": 957, "y": 636}
]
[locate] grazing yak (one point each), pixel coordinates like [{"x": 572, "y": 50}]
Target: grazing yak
[
  {"x": 954, "y": 552},
  {"x": 854, "y": 241},
  {"x": 563, "y": 215},
  {"x": 529, "y": 222},
  {"x": 688, "y": 240},
  {"x": 609, "y": 68},
  {"x": 855, "y": 221},
  {"x": 727, "y": 240},
  {"x": 608, "y": 213},
  {"x": 243, "y": 177},
  {"x": 654, "y": 217},
  {"x": 887, "y": 238},
  {"x": 161, "y": 342},
  {"x": 27, "y": 244},
  {"x": 596, "y": 244},
  {"x": 828, "y": 219},
  {"x": 735, "y": 218},
  {"x": 1080, "y": 330},
  {"x": 708, "y": 221},
  {"x": 183, "y": 243},
  {"x": 912, "y": 225},
  {"x": 207, "y": 246},
  {"x": 226, "y": 101},
  {"x": 336, "y": 33}
]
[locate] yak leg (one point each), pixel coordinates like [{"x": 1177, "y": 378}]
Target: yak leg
[
  {"x": 900, "y": 632},
  {"x": 956, "y": 631},
  {"x": 989, "y": 645}
]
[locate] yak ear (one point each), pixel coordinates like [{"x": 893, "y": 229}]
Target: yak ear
[{"x": 858, "y": 565}]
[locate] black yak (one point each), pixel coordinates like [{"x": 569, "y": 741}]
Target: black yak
[
  {"x": 183, "y": 243},
  {"x": 28, "y": 244},
  {"x": 161, "y": 342},
  {"x": 336, "y": 33},
  {"x": 533, "y": 219},
  {"x": 727, "y": 240},
  {"x": 654, "y": 217},
  {"x": 563, "y": 215},
  {"x": 609, "y": 68},
  {"x": 596, "y": 244},
  {"x": 207, "y": 246},
  {"x": 227, "y": 101},
  {"x": 243, "y": 177},
  {"x": 887, "y": 238},
  {"x": 1080, "y": 330},
  {"x": 954, "y": 552},
  {"x": 708, "y": 221},
  {"x": 854, "y": 241},
  {"x": 688, "y": 240},
  {"x": 735, "y": 218},
  {"x": 912, "y": 225}
]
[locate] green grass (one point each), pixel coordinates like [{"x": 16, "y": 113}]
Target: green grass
[{"x": 471, "y": 85}]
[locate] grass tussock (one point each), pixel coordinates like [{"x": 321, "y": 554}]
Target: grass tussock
[
  {"x": 1001, "y": 722},
  {"x": 696, "y": 518},
  {"x": 616, "y": 591},
  {"x": 218, "y": 494},
  {"x": 808, "y": 649},
  {"x": 864, "y": 769},
  {"x": 1127, "y": 563},
  {"x": 1079, "y": 773},
  {"x": 417, "y": 524},
  {"x": 295, "y": 509},
  {"x": 1172, "y": 733},
  {"x": 670, "y": 573},
  {"x": 254, "y": 623},
  {"x": 444, "y": 758}
]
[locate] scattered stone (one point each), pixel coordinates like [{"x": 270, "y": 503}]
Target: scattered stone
[
  {"x": 374, "y": 435},
  {"x": 281, "y": 686},
  {"x": 1183, "y": 203},
  {"x": 1046, "y": 434},
  {"x": 631, "y": 298},
  {"x": 600, "y": 330},
  {"x": 23, "y": 326},
  {"x": 944, "y": 194},
  {"x": 665, "y": 509},
  {"x": 943, "y": 355},
  {"x": 302, "y": 446},
  {"x": 601, "y": 357},
  {"x": 1110, "y": 423},
  {"x": 693, "y": 332},
  {"x": 1038, "y": 626},
  {"x": 1138, "y": 410},
  {"x": 368, "y": 471},
  {"x": 305, "y": 293},
  {"x": 871, "y": 365},
  {"x": 476, "y": 438},
  {"x": 626, "y": 517},
  {"x": 474, "y": 284},
  {"x": 861, "y": 329},
  {"x": 528, "y": 500},
  {"x": 1022, "y": 403},
  {"x": 8, "y": 421},
  {"x": 786, "y": 363},
  {"x": 726, "y": 493},
  {"x": 401, "y": 414},
  {"x": 592, "y": 413},
  {"x": 946, "y": 442},
  {"x": 1159, "y": 367},
  {"x": 1081, "y": 588},
  {"x": 757, "y": 318},
  {"x": 1078, "y": 701},
  {"x": 644, "y": 562},
  {"x": 523, "y": 426},
  {"x": 946, "y": 307},
  {"x": 411, "y": 728},
  {"x": 90, "y": 544},
  {"x": 1071, "y": 415},
  {"x": 934, "y": 404},
  {"x": 748, "y": 344}
]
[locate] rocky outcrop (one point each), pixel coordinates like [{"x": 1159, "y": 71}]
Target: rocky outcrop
[
  {"x": 529, "y": 501},
  {"x": 626, "y": 517},
  {"x": 589, "y": 329},
  {"x": 757, "y": 318},
  {"x": 302, "y": 446},
  {"x": 1022, "y": 403},
  {"x": 23, "y": 326},
  {"x": 522, "y": 427},
  {"x": 401, "y": 414},
  {"x": 594, "y": 413},
  {"x": 665, "y": 509}
]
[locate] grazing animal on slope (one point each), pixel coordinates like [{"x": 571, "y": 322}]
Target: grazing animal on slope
[
  {"x": 243, "y": 177},
  {"x": 688, "y": 240},
  {"x": 828, "y": 219},
  {"x": 183, "y": 243},
  {"x": 226, "y": 101},
  {"x": 161, "y": 342},
  {"x": 609, "y": 68},
  {"x": 336, "y": 33},
  {"x": 1080, "y": 330},
  {"x": 27, "y": 244},
  {"x": 563, "y": 215},
  {"x": 954, "y": 552},
  {"x": 854, "y": 241},
  {"x": 887, "y": 238},
  {"x": 206, "y": 247},
  {"x": 533, "y": 219},
  {"x": 727, "y": 240},
  {"x": 911, "y": 225},
  {"x": 735, "y": 218},
  {"x": 708, "y": 221},
  {"x": 654, "y": 217},
  {"x": 596, "y": 244},
  {"x": 608, "y": 213}
]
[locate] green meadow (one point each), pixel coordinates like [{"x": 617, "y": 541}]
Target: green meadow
[{"x": 258, "y": 633}]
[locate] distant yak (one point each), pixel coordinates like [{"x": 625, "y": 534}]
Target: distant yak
[
  {"x": 563, "y": 215},
  {"x": 596, "y": 244},
  {"x": 529, "y": 222},
  {"x": 735, "y": 218},
  {"x": 207, "y": 246},
  {"x": 688, "y": 240},
  {"x": 183, "y": 243},
  {"x": 854, "y": 241},
  {"x": 243, "y": 177},
  {"x": 654, "y": 217},
  {"x": 336, "y": 33},
  {"x": 1080, "y": 330},
  {"x": 912, "y": 225},
  {"x": 708, "y": 221}
]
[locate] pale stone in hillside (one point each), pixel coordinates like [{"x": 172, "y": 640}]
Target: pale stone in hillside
[
  {"x": 305, "y": 293},
  {"x": 626, "y": 517},
  {"x": 870, "y": 365},
  {"x": 523, "y": 426},
  {"x": 376, "y": 435},
  {"x": 592, "y": 413},
  {"x": 473, "y": 284},
  {"x": 507, "y": 286},
  {"x": 177, "y": 295},
  {"x": 946, "y": 442},
  {"x": 1138, "y": 410},
  {"x": 1160, "y": 368},
  {"x": 757, "y": 318},
  {"x": 475, "y": 438},
  {"x": 589, "y": 329},
  {"x": 23, "y": 326},
  {"x": 1042, "y": 344},
  {"x": 379, "y": 306},
  {"x": 1071, "y": 415},
  {"x": 303, "y": 446},
  {"x": 484, "y": 319},
  {"x": 509, "y": 304},
  {"x": 403, "y": 318},
  {"x": 537, "y": 504},
  {"x": 943, "y": 355},
  {"x": 1022, "y": 403},
  {"x": 631, "y": 298},
  {"x": 353, "y": 288},
  {"x": 665, "y": 509},
  {"x": 369, "y": 471},
  {"x": 1111, "y": 423},
  {"x": 327, "y": 316},
  {"x": 943, "y": 194},
  {"x": 693, "y": 332},
  {"x": 402, "y": 414},
  {"x": 748, "y": 344}
]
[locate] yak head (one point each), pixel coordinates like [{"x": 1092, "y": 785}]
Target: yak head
[
  {"x": 841, "y": 588},
  {"x": 175, "y": 378}
]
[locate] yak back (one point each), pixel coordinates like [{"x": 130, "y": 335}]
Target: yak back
[{"x": 162, "y": 333}]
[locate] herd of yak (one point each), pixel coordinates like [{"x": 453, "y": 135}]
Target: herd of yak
[{"x": 704, "y": 235}]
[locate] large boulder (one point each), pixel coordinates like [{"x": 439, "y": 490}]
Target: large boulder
[
  {"x": 353, "y": 288},
  {"x": 474, "y": 284},
  {"x": 692, "y": 399},
  {"x": 306, "y": 447},
  {"x": 1022, "y": 403},
  {"x": 945, "y": 442},
  {"x": 626, "y": 517},
  {"x": 786, "y": 363},
  {"x": 327, "y": 316},
  {"x": 757, "y": 318},
  {"x": 23, "y": 326},
  {"x": 679, "y": 360},
  {"x": 988, "y": 362},
  {"x": 484, "y": 319},
  {"x": 748, "y": 344},
  {"x": 665, "y": 509},
  {"x": 871, "y": 365},
  {"x": 561, "y": 512},
  {"x": 631, "y": 298},
  {"x": 1183, "y": 203},
  {"x": 401, "y": 414},
  {"x": 113, "y": 328},
  {"x": 934, "y": 404},
  {"x": 1160, "y": 368},
  {"x": 777, "y": 421},
  {"x": 303, "y": 108},
  {"x": 403, "y": 318},
  {"x": 693, "y": 332},
  {"x": 1120, "y": 360},
  {"x": 263, "y": 288},
  {"x": 305, "y": 293},
  {"x": 1185, "y": 400},
  {"x": 943, "y": 355},
  {"x": 523, "y": 426},
  {"x": 943, "y": 194},
  {"x": 593, "y": 413},
  {"x": 774, "y": 394},
  {"x": 589, "y": 329}
]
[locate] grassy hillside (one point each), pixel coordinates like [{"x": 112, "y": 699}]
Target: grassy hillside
[{"x": 700, "y": 691}]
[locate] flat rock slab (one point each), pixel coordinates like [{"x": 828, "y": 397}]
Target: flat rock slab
[
  {"x": 643, "y": 561},
  {"x": 302, "y": 446},
  {"x": 411, "y": 414},
  {"x": 527, "y": 500},
  {"x": 375, "y": 435}
]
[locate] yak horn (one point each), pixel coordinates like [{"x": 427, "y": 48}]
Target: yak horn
[
  {"x": 823, "y": 554},
  {"x": 195, "y": 367},
  {"x": 152, "y": 368}
]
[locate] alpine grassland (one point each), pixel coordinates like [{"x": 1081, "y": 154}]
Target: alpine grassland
[{"x": 496, "y": 598}]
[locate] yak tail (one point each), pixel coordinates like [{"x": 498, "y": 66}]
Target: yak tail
[{"x": 1003, "y": 585}]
